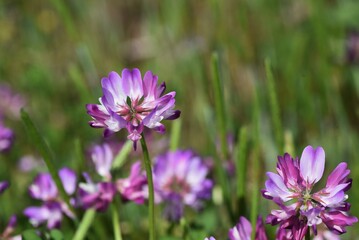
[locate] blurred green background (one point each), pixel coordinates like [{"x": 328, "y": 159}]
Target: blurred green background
[{"x": 56, "y": 52}]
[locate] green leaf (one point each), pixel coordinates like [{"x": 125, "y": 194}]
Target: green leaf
[
  {"x": 30, "y": 235},
  {"x": 56, "y": 235}
]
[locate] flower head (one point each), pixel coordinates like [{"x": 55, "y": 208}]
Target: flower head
[
  {"x": 243, "y": 230},
  {"x": 96, "y": 195},
  {"x": 3, "y": 186},
  {"x": 9, "y": 230},
  {"x": 292, "y": 190},
  {"x": 6, "y": 137},
  {"x": 133, "y": 188},
  {"x": 102, "y": 157},
  {"x": 11, "y": 102},
  {"x": 133, "y": 103},
  {"x": 51, "y": 211},
  {"x": 180, "y": 178}
]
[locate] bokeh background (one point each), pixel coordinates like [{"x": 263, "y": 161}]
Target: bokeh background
[{"x": 54, "y": 53}]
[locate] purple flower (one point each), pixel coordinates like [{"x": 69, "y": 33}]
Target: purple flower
[
  {"x": 51, "y": 211},
  {"x": 180, "y": 179},
  {"x": 326, "y": 235},
  {"x": 10, "y": 101},
  {"x": 29, "y": 163},
  {"x": 102, "y": 157},
  {"x": 243, "y": 230},
  {"x": 3, "y": 186},
  {"x": 131, "y": 102},
  {"x": 6, "y": 138},
  {"x": 133, "y": 188},
  {"x": 291, "y": 189},
  {"x": 10, "y": 228},
  {"x": 96, "y": 195},
  {"x": 352, "y": 47},
  {"x": 210, "y": 238}
]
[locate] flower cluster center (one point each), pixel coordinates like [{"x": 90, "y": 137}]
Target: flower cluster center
[{"x": 133, "y": 111}]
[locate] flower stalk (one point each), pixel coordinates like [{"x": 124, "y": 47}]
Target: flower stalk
[
  {"x": 151, "y": 197},
  {"x": 307, "y": 235},
  {"x": 116, "y": 222},
  {"x": 85, "y": 224}
]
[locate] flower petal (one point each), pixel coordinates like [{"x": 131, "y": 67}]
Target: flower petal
[{"x": 312, "y": 164}]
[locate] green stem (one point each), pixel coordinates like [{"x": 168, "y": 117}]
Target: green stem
[
  {"x": 256, "y": 166},
  {"x": 275, "y": 112},
  {"x": 121, "y": 157},
  {"x": 220, "y": 113},
  {"x": 116, "y": 222},
  {"x": 85, "y": 224},
  {"x": 307, "y": 235},
  {"x": 175, "y": 135},
  {"x": 151, "y": 199},
  {"x": 219, "y": 105},
  {"x": 241, "y": 169}
]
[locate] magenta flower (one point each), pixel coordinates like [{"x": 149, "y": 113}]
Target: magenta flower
[
  {"x": 243, "y": 230},
  {"x": 6, "y": 138},
  {"x": 131, "y": 102},
  {"x": 300, "y": 209},
  {"x": 9, "y": 230},
  {"x": 29, "y": 163},
  {"x": 53, "y": 208},
  {"x": 326, "y": 235},
  {"x": 3, "y": 186},
  {"x": 102, "y": 157},
  {"x": 180, "y": 178},
  {"x": 96, "y": 195},
  {"x": 11, "y": 102},
  {"x": 133, "y": 188}
]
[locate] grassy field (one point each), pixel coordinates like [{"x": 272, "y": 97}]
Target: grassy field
[{"x": 287, "y": 74}]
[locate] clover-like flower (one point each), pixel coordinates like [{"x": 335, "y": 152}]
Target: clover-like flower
[
  {"x": 133, "y": 188},
  {"x": 6, "y": 137},
  {"x": 95, "y": 195},
  {"x": 131, "y": 102},
  {"x": 180, "y": 178},
  {"x": 243, "y": 230},
  {"x": 51, "y": 211},
  {"x": 301, "y": 208},
  {"x": 3, "y": 186}
]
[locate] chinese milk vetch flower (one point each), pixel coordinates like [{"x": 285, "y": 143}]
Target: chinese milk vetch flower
[
  {"x": 102, "y": 157},
  {"x": 3, "y": 186},
  {"x": 243, "y": 230},
  {"x": 98, "y": 195},
  {"x": 133, "y": 188},
  {"x": 11, "y": 102},
  {"x": 51, "y": 211},
  {"x": 131, "y": 102},
  {"x": 95, "y": 195},
  {"x": 28, "y": 163},
  {"x": 300, "y": 208},
  {"x": 6, "y": 137},
  {"x": 9, "y": 230},
  {"x": 180, "y": 178}
]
